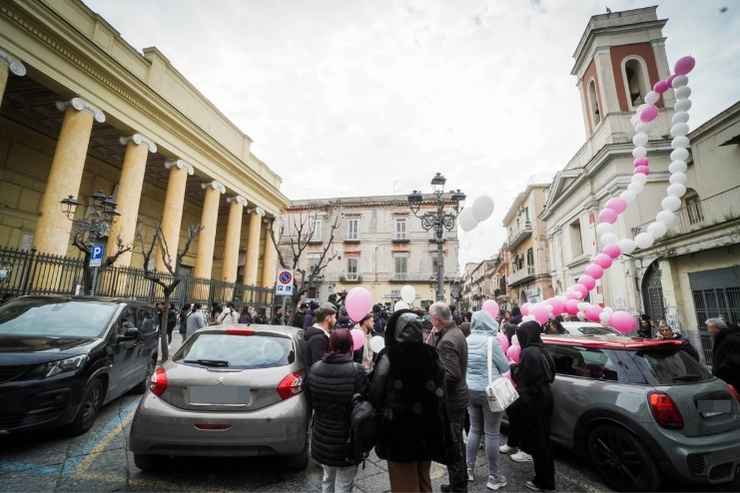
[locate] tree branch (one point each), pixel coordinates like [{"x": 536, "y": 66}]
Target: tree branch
[{"x": 120, "y": 250}]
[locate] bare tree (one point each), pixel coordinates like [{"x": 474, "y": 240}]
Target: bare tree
[
  {"x": 82, "y": 240},
  {"x": 168, "y": 285},
  {"x": 296, "y": 240}
]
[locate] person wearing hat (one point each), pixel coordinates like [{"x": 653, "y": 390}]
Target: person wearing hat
[
  {"x": 364, "y": 355},
  {"x": 317, "y": 336}
]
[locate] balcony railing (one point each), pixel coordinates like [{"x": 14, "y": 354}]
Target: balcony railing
[
  {"x": 350, "y": 277},
  {"x": 519, "y": 233},
  {"x": 523, "y": 274}
]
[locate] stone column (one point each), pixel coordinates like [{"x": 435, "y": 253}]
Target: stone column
[
  {"x": 233, "y": 235},
  {"x": 207, "y": 235},
  {"x": 268, "y": 260},
  {"x": 8, "y": 63},
  {"x": 253, "y": 247},
  {"x": 128, "y": 195},
  {"x": 173, "y": 205},
  {"x": 53, "y": 228}
]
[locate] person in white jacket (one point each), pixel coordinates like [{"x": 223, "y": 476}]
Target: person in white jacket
[{"x": 229, "y": 316}]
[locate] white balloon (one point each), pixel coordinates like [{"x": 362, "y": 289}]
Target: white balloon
[
  {"x": 680, "y": 117},
  {"x": 642, "y": 127},
  {"x": 676, "y": 190},
  {"x": 640, "y": 139},
  {"x": 652, "y": 97},
  {"x": 400, "y": 305},
  {"x": 671, "y": 203},
  {"x": 644, "y": 240},
  {"x": 635, "y": 119},
  {"x": 627, "y": 245},
  {"x": 667, "y": 217},
  {"x": 682, "y": 92},
  {"x": 639, "y": 178},
  {"x": 549, "y": 307},
  {"x": 603, "y": 228},
  {"x": 657, "y": 229},
  {"x": 678, "y": 177},
  {"x": 467, "y": 220},
  {"x": 377, "y": 343},
  {"x": 678, "y": 167},
  {"x": 608, "y": 239},
  {"x": 679, "y": 81},
  {"x": 679, "y": 142},
  {"x": 582, "y": 306},
  {"x": 482, "y": 208},
  {"x": 639, "y": 152},
  {"x": 635, "y": 188},
  {"x": 628, "y": 196},
  {"x": 680, "y": 154},
  {"x": 679, "y": 129},
  {"x": 581, "y": 315},
  {"x": 604, "y": 317},
  {"x": 608, "y": 310},
  {"x": 683, "y": 105},
  {"x": 408, "y": 294}
]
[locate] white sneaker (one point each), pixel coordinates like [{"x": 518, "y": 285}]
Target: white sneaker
[
  {"x": 521, "y": 457},
  {"x": 496, "y": 481},
  {"x": 505, "y": 449},
  {"x": 471, "y": 476}
]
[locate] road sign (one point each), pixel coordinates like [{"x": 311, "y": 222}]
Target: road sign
[
  {"x": 96, "y": 254},
  {"x": 284, "y": 284}
]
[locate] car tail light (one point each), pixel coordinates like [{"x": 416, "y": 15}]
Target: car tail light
[
  {"x": 240, "y": 331},
  {"x": 665, "y": 411},
  {"x": 291, "y": 385},
  {"x": 158, "y": 383},
  {"x": 733, "y": 392}
]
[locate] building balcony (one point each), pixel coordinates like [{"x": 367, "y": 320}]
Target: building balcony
[
  {"x": 400, "y": 240},
  {"x": 521, "y": 276},
  {"x": 350, "y": 277},
  {"x": 518, "y": 234}
]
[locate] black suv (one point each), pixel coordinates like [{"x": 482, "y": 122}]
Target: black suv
[{"x": 63, "y": 357}]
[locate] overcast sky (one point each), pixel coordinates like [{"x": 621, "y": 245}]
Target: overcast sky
[{"x": 348, "y": 97}]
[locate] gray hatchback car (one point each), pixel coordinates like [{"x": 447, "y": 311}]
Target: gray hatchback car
[
  {"x": 643, "y": 409},
  {"x": 228, "y": 391}
]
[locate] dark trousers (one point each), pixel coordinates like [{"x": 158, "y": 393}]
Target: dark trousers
[
  {"x": 457, "y": 470},
  {"x": 514, "y": 414},
  {"x": 410, "y": 477},
  {"x": 537, "y": 414}
]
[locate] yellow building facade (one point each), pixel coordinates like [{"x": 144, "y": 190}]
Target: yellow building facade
[{"x": 81, "y": 111}]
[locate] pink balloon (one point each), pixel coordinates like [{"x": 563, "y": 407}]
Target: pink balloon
[
  {"x": 571, "y": 306},
  {"x": 503, "y": 341},
  {"x": 587, "y": 281},
  {"x": 649, "y": 114},
  {"x": 607, "y": 216},
  {"x": 613, "y": 251},
  {"x": 684, "y": 65},
  {"x": 661, "y": 86},
  {"x": 524, "y": 309},
  {"x": 603, "y": 260},
  {"x": 358, "y": 303},
  {"x": 491, "y": 307},
  {"x": 644, "y": 170},
  {"x": 617, "y": 204},
  {"x": 540, "y": 313},
  {"x": 642, "y": 161},
  {"x": 572, "y": 294},
  {"x": 594, "y": 270},
  {"x": 358, "y": 339},
  {"x": 557, "y": 304},
  {"x": 578, "y": 287},
  {"x": 593, "y": 312},
  {"x": 514, "y": 352},
  {"x": 623, "y": 321}
]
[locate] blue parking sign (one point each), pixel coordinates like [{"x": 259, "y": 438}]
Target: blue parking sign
[{"x": 96, "y": 254}]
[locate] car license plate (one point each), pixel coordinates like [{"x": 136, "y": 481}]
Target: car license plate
[{"x": 219, "y": 394}]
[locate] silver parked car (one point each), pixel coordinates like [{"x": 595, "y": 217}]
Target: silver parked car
[
  {"x": 642, "y": 410},
  {"x": 228, "y": 391}
]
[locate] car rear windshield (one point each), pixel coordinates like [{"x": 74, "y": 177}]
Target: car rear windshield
[
  {"x": 50, "y": 318},
  {"x": 237, "y": 351},
  {"x": 595, "y": 330},
  {"x": 669, "y": 365}
]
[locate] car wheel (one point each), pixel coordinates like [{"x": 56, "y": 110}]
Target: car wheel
[
  {"x": 92, "y": 399},
  {"x": 141, "y": 386},
  {"x": 298, "y": 462},
  {"x": 146, "y": 462},
  {"x": 622, "y": 461}
]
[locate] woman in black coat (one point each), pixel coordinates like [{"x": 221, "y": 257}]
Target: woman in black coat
[
  {"x": 333, "y": 381},
  {"x": 407, "y": 392},
  {"x": 533, "y": 376}
]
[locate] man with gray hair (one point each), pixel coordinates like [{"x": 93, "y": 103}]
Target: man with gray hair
[
  {"x": 725, "y": 351},
  {"x": 453, "y": 353}
]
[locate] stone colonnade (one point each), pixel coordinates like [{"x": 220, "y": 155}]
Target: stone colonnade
[{"x": 53, "y": 229}]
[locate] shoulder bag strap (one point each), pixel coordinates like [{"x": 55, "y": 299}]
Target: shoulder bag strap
[{"x": 489, "y": 360}]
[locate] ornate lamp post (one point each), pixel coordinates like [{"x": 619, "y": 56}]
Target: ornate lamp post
[{"x": 438, "y": 220}]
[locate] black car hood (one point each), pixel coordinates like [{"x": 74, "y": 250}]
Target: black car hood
[{"x": 25, "y": 350}]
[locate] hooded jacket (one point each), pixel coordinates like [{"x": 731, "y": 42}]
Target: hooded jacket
[
  {"x": 407, "y": 391},
  {"x": 482, "y": 328},
  {"x": 317, "y": 344},
  {"x": 726, "y": 356},
  {"x": 536, "y": 369}
]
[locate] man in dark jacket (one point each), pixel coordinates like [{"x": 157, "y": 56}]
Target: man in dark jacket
[
  {"x": 725, "y": 351},
  {"x": 317, "y": 336},
  {"x": 298, "y": 316},
  {"x": 453, "y": 352}
]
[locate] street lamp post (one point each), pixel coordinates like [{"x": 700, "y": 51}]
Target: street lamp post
[{"x": 437, "y": 220}]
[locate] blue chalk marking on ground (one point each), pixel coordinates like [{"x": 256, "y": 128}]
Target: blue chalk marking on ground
[{"x": 9, "y": 467}]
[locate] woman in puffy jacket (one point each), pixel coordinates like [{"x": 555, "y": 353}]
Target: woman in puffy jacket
[
  {"x": 482, "y": 329},
  {"x": 333, "y": 382}
]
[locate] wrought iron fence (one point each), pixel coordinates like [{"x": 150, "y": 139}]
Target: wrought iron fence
[{"x": 25, "y": 272}]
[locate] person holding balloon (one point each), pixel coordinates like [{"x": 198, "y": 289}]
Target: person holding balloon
[{"x": 361, "y": 334}]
